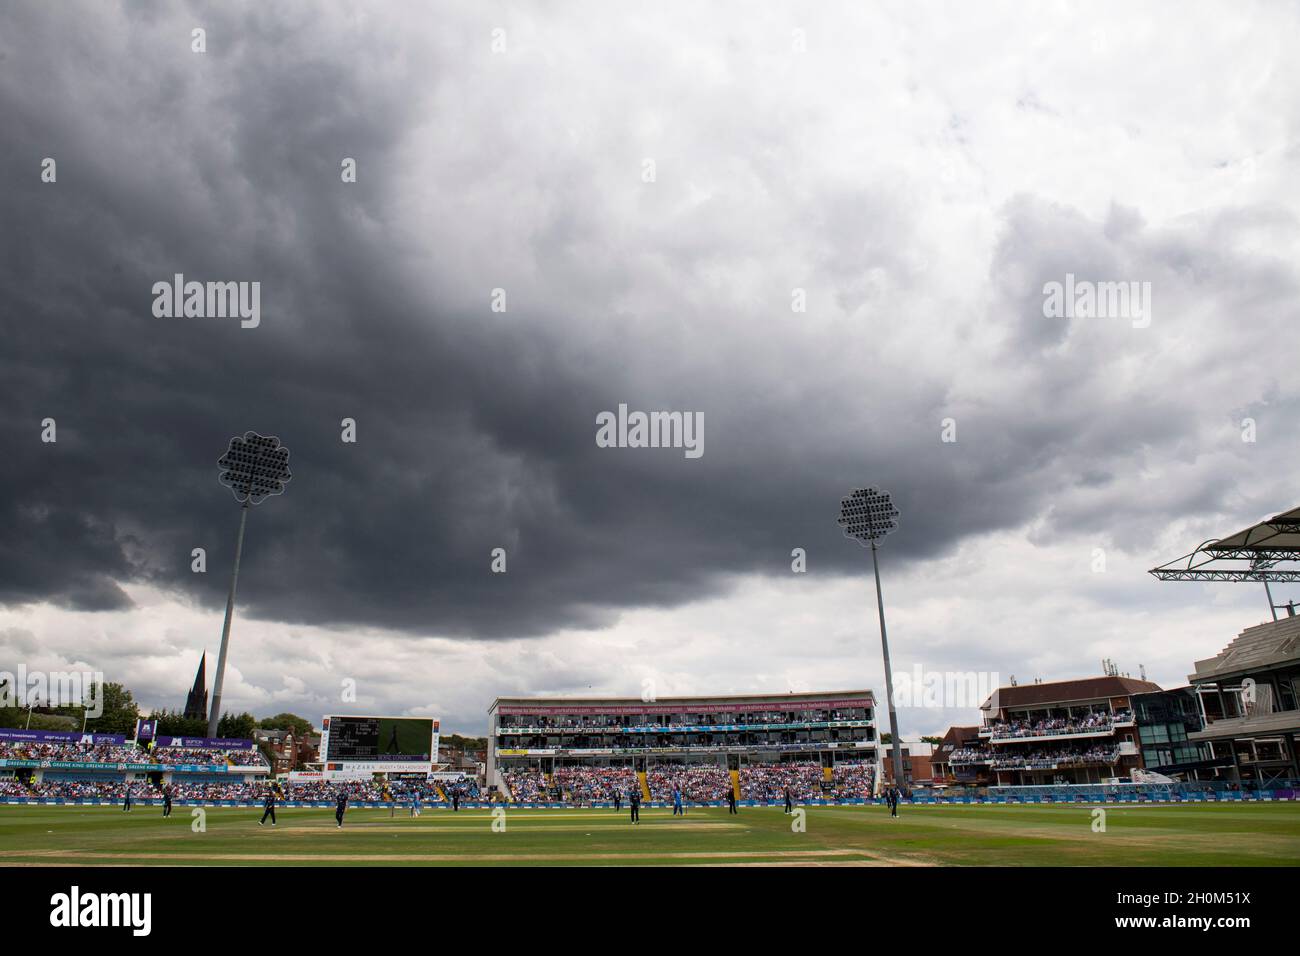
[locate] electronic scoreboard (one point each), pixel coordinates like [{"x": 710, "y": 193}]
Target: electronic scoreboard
[{"x": 352, "y": 744}]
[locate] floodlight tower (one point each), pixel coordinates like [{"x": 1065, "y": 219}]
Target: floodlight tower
[
  {"x": 867, "y": 514},
  {"x": 253, "y": 467}
]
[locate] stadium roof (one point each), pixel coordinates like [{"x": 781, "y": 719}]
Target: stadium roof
[
  {"x": 1252, "y": 554},
  {"x": 1281, "y": 532},
  {"x": 1067, "y": 692},
  {"x": 957, "y": 737},
  {"x": 962, "y": 733},
  {"x": 1257, "y": 648}
]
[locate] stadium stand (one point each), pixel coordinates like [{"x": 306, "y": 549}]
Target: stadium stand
[
  {"x": 960, "y": 758},
  {"x": 1061, "y": 732},
  {"x": 558, "y": 750},
  {"x": 1249, "y": 696},
  {"x": 49, "y": 765}
]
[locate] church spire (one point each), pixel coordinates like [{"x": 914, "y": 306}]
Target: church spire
[{"x": 196, "y": 704}]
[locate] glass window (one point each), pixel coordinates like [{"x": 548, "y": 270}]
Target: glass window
[{"x": 1287, "y": 695}]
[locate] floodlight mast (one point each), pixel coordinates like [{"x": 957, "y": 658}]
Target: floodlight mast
[
  {"x": 868, "y": 514},
  {"x": 253, "y": 467},
  {"x": 896, "y": 749},
  {"x": 214, "y": 715}
]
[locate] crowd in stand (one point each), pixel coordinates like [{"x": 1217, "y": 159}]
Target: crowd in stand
[
  {"x": 803, "y": 778},
  {"x": 587, "y": 784},
  {"x": 526, "y": 786},
  {"x": 704, "y": 741},
  {"x": 125, "y": 754},
  {"x": 609, "y": 722},
  {"x": 970, "y": 755},
  {"x": 11, "y": 787},
  {"x": 1079, "y": 724},
  {"x": 759, "y": 782},
  {"x": 854, "y": 780},
  {"x": 245, "y": 758},
  {"x": 212, "y": 791},
  {"x": 206, "y": 755},
  {"x": 362, "y": 791},
  {"x": 358, "y": 791},
  {"x": 84, "y": 789},
  {"x": 697, "y": 783},
  {"x": 466, "y": 788},
  {"x": 85, "y": 753},
  {"x": 1046, "y": 760},
  {"x": 700, "y": 782}
]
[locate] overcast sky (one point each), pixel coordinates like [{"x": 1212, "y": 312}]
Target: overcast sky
[{"x": 655, "y": 190}]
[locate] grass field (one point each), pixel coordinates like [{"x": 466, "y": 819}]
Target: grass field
[{"x": 1199, "y": 835}]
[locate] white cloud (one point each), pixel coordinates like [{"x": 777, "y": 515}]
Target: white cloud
[{"x": 920, "y": 172}]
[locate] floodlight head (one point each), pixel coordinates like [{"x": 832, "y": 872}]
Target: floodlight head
[
  {"x": 867, "y": 514},
  {"x": 254, "y": 466}
]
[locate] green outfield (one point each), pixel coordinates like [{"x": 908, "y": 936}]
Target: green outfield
[{"x": 1198, "y": 835}]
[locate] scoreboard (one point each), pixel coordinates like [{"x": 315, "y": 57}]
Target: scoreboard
[{"x": 379, "y": 744}]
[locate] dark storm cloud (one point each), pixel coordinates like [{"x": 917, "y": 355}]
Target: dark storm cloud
[{"x": 476, "y": 430}]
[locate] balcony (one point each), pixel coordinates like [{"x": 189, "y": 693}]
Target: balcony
[
  {"x": 1103, "y": 758},
  {"x": 1057, "y": 729}
]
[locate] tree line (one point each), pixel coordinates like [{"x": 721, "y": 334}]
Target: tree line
[{"x": 120, "y": 712}]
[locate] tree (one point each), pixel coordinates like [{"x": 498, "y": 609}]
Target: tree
[
  {"x": 298, "y": 726},
  {"x": 50, "y": 721},
  {"x": 173, "y": 723},
  {"x": 457, "y": 742},
  {"x": 236, "y": 725},
  {"x": 120, "y": 712}
]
